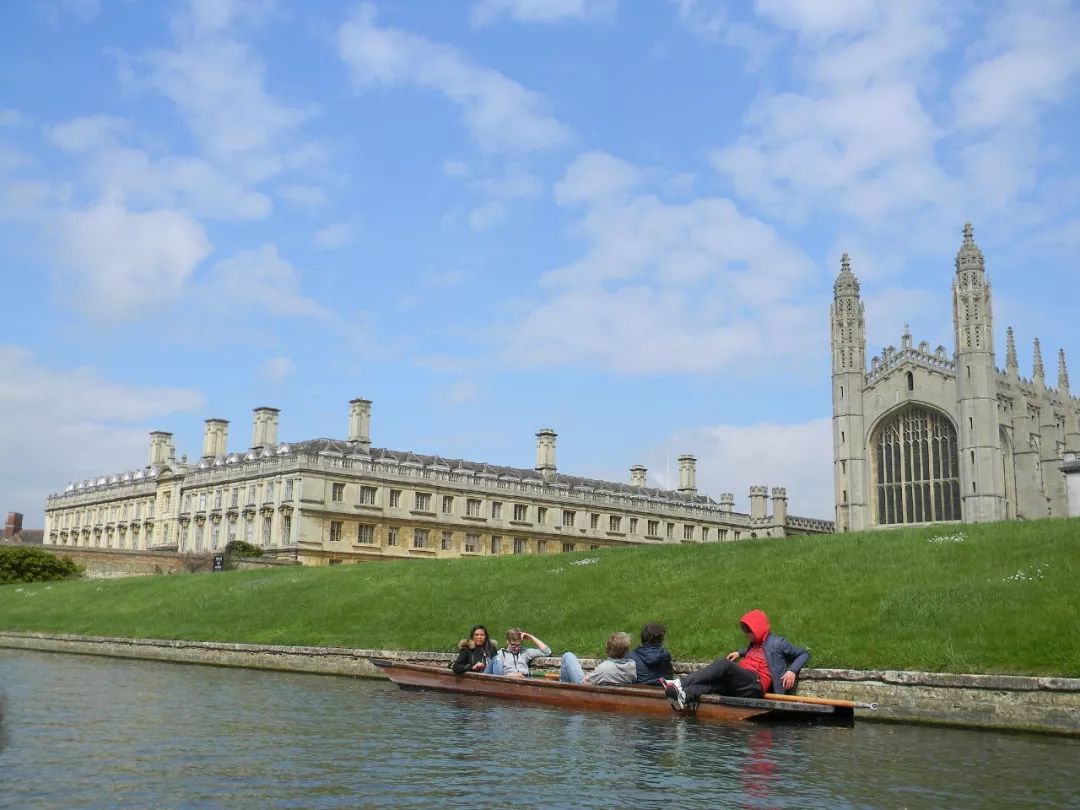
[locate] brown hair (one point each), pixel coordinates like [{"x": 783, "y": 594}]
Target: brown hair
[
  {"x": 513, "y": 634},
  {"x": 618, "y": 645},
  {"x": 653, "y": 633}
]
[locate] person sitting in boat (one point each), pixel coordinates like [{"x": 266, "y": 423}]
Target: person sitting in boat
[
  {"x": 616, "y": 669},
  {"x": 767, "y": 663},
  {"x": 652, "y": 658},
  {"x": 475, "y": 653},
  {"x": 513, "y": 660}
]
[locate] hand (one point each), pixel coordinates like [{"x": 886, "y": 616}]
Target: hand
[
  {"x": 787, "y": 680},
  {"x": 514, "y": 675},
  {"x": 478, "y": 666},
  {"x": 525, "y": 635},
  {"x": 733, "y": 655}
]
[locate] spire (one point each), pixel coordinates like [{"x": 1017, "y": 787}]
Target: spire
[
  {"x": 969, "y": 257},
  {"x": 1037, "y": 365},
  {"x": 846, "y": 283},
  {"x": 1010, "y": 351},
  {"x": 1063, "y": 372}
]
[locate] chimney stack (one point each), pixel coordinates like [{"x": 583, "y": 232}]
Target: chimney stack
[
  {"x": 360, "y": 422},
  {"x": 637, "y": 475},
  {"x": 215, "y": 437},
  {"x": 545, "y": 453},
  {"x": 727, "y": 502},
  {"x": 779, "y": 505},
  {"x": 758, "y": 497},
  {"x": 13, "y": 524},
  {"x": 687, "y": 475},
  {"x": 264, "y": 428},
  {"x": 160, "y": 447}
]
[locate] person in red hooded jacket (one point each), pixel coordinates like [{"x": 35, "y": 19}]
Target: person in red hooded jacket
[{"x": 769, "y": 663}]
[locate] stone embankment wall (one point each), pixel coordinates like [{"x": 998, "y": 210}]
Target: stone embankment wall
[
  {"x": 102, "y": 563},
  {"x": 988, "y": 701}
]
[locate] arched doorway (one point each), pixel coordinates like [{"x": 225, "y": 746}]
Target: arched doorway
[{"x": 916, "y": 467}]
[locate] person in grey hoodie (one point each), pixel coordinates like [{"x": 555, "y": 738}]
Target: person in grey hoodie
[
  {"x": 513, "y": 660},
  {"x": 616, "y": 669}
]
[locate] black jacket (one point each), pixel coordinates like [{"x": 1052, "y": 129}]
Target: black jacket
[
  {"x": 470, "y": 656},
  {"x": 653, "y": 663}
]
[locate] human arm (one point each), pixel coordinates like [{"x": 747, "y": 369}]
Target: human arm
[
  {"x": 461, "y": 664},
  {"x": 544, "y": 648},
  {"x": 667, "y": 669},
  {"x": 734, "y": 655},
  {"x": 796, "y": 658}
]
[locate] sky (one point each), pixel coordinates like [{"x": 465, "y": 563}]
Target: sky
[{"x": 619, "y": 220}]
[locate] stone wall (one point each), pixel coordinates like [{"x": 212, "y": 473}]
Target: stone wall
[
  {"x": 103, "y": 563},
  {"x": 986, "y": 701}
]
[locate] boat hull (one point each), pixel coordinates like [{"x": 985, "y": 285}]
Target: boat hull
[{"x": 625, "y": 700}]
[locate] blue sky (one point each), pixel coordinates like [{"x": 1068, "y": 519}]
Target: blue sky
[{"x": 618, "y": 220}]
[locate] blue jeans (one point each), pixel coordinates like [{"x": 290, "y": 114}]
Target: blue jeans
[
  {"x": 570, "y": 670},
  {"x": 494, "y": 667}
]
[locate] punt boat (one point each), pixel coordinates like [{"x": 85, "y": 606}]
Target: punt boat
[{"x": 621, "y": 699}]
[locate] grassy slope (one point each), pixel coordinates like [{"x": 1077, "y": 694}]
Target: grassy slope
[{"x": 890, "y": 600}]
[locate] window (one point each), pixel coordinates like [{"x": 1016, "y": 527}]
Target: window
[
  {"x": 568, "y": 518},
  {"x": 249, "y": 530},
  {"x": 519, "y": 545},
  {"x": 288, "y": 489},
  {"x": 200, "y": 530},
  {"x": 235, "y": 501},
  {"x": 496, "y": 510},
  {"x": 183, "y": 537},
  {"x": 166, "y": 500},
  {"x": 472, "y": 507},
  {"x": 496, "y": 544},
  {"x": 419, "y": 538},
  {"x": 337, "y": 493},
  {"x": 704, "y": 534},
  {"x": 150, "y": 509},
  {"x": 688, "y": 532},
  {"x": 910, "y": 381},
  {"x": 269, "y": 491},
  {"x": 671, "y": 531},
  {"x": 594, "y": 521},
  {"x": 395, "y": 498},
  {"x": 422, "y": 501},
  {"x": 266, "y": 529},
  {"x": 633, "y": 525},
  {"x": 916, "y": 468},
  {"x": 286, "y": 529},
  {"x": 335, "y": 531},
  {"x": 334, "y": 561},
  {"x": 215, "y": 535},
  {"x": 614, "y": 524},
  {"x": 654, "y": 528},
  {"x": 541, "y": 546},
  {"x": 367, "y": 495},
  {"x": 521, "y": 512},
  {"x": 217, "y": 499},
  {"x": 230, "y": 533},
  {"x": 391, "y": 535},
  {"x": 447, "y": 541},
  {"x": 541, "y": 515},
  {"x": 843, "y": 468},
  {"x": 251, "y": 494},
  {"x": 566, "y": 547},
  {"x": 365, "y": 533},
  {"x": 472, "y": 543},
  {"x": 448, "y": 504}
]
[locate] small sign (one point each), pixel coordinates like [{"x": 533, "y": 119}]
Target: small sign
[{"x": 219, "y": 562}]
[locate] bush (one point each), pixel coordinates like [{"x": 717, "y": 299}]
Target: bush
[
  {"x": 238, "y": 548},
  {"x": 34, "y": 565}
]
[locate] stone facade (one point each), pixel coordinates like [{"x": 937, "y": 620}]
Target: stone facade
[
  {"x": 920, "y": 437},
  {"x": 333, "y": 501}
]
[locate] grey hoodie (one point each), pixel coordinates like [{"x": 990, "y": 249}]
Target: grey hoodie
[
  {"x": 612, "y": 672},
  {"x": 519, "y": 663}
]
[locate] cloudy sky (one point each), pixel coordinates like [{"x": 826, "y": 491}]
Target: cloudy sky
[{"x": 617, "y": 219}]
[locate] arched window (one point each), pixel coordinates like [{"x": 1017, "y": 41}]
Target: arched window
[
  {"x": 917, "y": 471},
  {"x": 910, "y": 381}
]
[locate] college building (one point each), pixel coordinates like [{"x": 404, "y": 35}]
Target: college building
[{"x": 330, "y": 501}]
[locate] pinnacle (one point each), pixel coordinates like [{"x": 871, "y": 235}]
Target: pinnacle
[
  {"x": 1063, "y": 371},
  {"x": 969, "y": 234},
  {"x": 1010, "y": 349},
  {"x": 1038, "y": 361},
  {"x": 845, "y": 264}
]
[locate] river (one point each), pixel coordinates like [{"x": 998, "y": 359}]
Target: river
[{"x": 90, "y": 732}]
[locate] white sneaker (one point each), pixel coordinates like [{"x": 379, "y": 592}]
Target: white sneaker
[{"x": 674, "y": 691}]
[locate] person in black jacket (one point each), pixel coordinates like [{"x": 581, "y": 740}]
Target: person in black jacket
[
  {"x": 652, "y": 658},
  {"x": 475, "y": 652}
]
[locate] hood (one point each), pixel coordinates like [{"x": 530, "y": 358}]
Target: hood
[
  {"x": 758, "y": 623},
  {"x": 650, "y": 654}
]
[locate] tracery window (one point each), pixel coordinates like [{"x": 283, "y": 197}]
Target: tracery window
[{"x": 917, "y": 470}]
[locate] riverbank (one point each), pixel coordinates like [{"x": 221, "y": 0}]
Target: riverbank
[
  {"x": 1049, "y": 705},
  {"x": 991, "y": 598}
]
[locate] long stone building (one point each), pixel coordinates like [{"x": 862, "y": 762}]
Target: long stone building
[
  {"x": 921, "y": 437},
  {"x": 330, "y": 501}
]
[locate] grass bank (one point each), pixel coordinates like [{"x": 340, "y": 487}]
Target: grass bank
[{"x": 999, "y": 598}]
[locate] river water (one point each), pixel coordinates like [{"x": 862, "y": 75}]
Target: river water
[{"x": 95, "y": 732}]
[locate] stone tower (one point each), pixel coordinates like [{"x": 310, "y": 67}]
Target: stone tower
[
  {"x": 978, "y": 440},
  {"x": 848, "y": 373}
]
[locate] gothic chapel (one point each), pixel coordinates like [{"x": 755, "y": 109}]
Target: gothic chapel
[{"x": 921, "y": 438}]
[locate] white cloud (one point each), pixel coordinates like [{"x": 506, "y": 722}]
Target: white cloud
[
  {"x": 113, "y": 263},
  {"x": 456, "y": 168},
  {"x": 486, "y": 216},
  {"x": 500, "y": 114},
  {"x": 277, "y": 369},
  {"x": 732, "y": 458},
  {"x": 87, "y": 133},
  {"x": 9, "y": 118},
  {"x": 66, "y": 425},
  {"x": 485, "y": 12},
  {"x": 461, "y": 392},
  {"x": 259, "y": 280},
  {"x": 333, "y": 236},
  {"x": 594, "y": 176},
  {"x": 300, "y": 194}
]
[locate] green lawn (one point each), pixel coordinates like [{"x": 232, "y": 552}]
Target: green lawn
[{"x": 1005, "y": 598}]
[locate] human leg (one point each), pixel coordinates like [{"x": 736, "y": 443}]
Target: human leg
[
  {"x": 721, "y": 677},
  {"x": 496, "y": 667},
  {"x": 570, "y": 670}
]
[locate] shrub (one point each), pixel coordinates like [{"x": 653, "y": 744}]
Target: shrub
[
  {"x": 238, "y": 548},
  {"x": 34, "y": 565}
]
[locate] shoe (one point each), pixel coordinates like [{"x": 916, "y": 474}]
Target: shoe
[{"x": 674, "y": 691}]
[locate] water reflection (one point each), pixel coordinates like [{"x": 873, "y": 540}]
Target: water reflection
[{"x": 91, "y": 732}]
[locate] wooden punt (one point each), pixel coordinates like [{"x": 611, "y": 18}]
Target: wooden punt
[{"x": 623, "y": 699}]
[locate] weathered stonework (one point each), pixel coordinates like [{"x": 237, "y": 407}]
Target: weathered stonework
[{"x": 986, "y": 701}]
